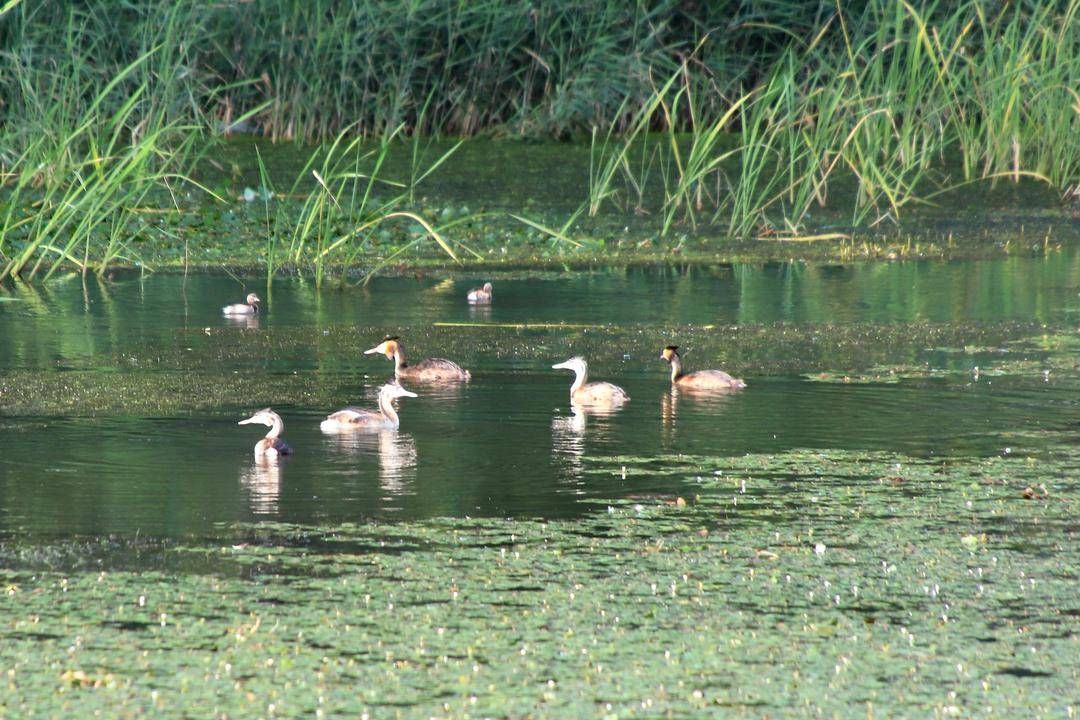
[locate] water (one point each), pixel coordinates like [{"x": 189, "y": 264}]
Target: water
[
  {"x": 871, "y": 527},
  {"x": 119, "y": 401}
]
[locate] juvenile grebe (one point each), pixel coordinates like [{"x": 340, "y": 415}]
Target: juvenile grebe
[
  {"x": 590, "y": 393},
  {"x": 271, "y": 445},
  {"x": 480, "y": 295},
  {"x": 249, "y": 307},
  {"x": 430, "y": 370},
  {"x": 700, "y": 379},
  {"x": 352, "y": 418}
]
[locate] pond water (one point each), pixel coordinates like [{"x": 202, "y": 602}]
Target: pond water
[{"x": 119, "y": 400}]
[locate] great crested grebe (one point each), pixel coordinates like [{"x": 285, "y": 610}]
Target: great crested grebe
[
  {"x": 385, "y": 417},
  {"x": 700, "y": 379},
  {"x": 272, "y": 445},
  {"x": 480, "y": 295},
  {"x": 250, "y": 306},
  {"x": 430, "y": 370},
  {"x": 590, "y": 393}
]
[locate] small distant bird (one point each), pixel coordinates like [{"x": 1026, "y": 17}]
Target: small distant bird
[
  {"x": 249, "y": 307},
  {"x": 480, "y": 295}
]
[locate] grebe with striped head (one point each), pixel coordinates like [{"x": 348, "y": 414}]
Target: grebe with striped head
[
  {"x": 429, "y": 370},
  {"x": 590, "y": 393},
  {"x": 384, "y": 418},
  {"x": 272, "y": 445},
  {"x": 700, "y": 379},
  {"x": 250, "y": 306},
  {"x": 480, "y": 295}
]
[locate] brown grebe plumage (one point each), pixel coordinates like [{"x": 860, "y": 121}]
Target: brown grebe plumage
[
  {"x": 700, "y": 379},
  {"x": 429, "y": 370}
]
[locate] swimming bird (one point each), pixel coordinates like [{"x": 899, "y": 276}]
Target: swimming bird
[
  {"x": 700, "y": 379},
  {"x": 590, "y": 393},
  {"x": 429, "y": 370},
  {"x": 480, "y": 295},
  {"x": 250, "y": 306},
  {"x": 352, "y": 418},
  {"x": 272, "y": 445}
]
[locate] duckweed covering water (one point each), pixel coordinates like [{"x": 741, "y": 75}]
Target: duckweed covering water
[{"x": 833, "y": 583}]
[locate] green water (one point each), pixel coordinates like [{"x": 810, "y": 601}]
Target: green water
[
  {"x": 120, "y": 400},
  {"x": 871, "y": 529}
]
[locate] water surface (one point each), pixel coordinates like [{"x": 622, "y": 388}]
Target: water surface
[{"x": 119, "y": 400}]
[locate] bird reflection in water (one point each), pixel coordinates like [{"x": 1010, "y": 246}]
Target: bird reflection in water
[
  {"x": 250, "y": 322},
  {"x": 395, "y": 452},
  {"x": 262, "y": 482},
  {"x": 568, "y": 433},
  {"x": 479, "y": 312},
  {"x": 671, "y": 401}
]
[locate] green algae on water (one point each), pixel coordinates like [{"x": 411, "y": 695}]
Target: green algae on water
[{"x": 830, "y": 581}]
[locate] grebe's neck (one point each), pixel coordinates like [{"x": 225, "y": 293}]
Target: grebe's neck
[
  {"x": 581, "y": 374},
  {"x": 276, "y": 428},
  {"x": 386, "y": 407},
  {"x": 676, "y": 367},
  {"x": 399, "y": 360}
]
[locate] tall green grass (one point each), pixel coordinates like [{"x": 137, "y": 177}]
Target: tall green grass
[
  {"x": 309, "y": 68},
  {"x": 88, "y": 152},
  {"x": 350, "y": 199},
  {"x": 881, "y": 106},
  {"x": 741, "y": 115}
]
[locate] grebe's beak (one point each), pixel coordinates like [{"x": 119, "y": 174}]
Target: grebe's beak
[{"x": 565, "y": 365}]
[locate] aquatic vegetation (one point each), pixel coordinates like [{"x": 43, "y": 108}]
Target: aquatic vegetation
[
  {"x": 809, "y": 579},
  {"x": 197, "y": 371},
  {"x": 880, "y": 102},
  {"x": 807, "y": 125},
  {"x": 346, "y": 204},
  {"x": 684, "y": 579},
  {"x": 75, "y": 194}
]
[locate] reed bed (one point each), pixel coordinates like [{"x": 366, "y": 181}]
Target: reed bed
[
  {"x": 895, "y": 106},
  {"x": 742, "y": 116}
]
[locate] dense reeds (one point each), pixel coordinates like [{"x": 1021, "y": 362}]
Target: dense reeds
[
  {"x": 738, "y": 115},
  {"x": 890, "y": 101},
  {"x": 311, "y": 68},
  {"x": 87, "y": 151}
]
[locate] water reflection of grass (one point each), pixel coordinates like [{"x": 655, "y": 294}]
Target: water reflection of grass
[{"x": 822, "y": 581}]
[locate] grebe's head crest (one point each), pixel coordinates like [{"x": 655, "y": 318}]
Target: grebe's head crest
[
  {"x": 253, "y": 299},
  {"x": 668, "y": 352},
  {"x": 386, "y": 347}
]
